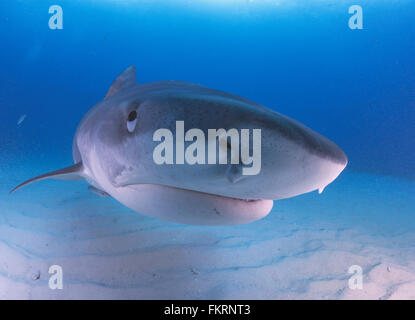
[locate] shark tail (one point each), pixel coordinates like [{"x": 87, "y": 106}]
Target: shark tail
[{"x": 73, "y": 172}]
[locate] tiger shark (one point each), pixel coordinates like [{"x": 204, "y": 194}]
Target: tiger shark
[{"x": 113, "y": 151}]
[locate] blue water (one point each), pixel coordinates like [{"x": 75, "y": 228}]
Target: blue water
[{"x": 299, "y": 57}]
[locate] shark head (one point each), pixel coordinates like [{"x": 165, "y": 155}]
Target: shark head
[{"x": 149, "y": 147}]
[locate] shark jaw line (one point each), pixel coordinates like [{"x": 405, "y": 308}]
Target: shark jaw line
[{"x": 195, "y": 191}]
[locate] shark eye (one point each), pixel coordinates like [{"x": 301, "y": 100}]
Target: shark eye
[{"x": 132, "y": 121}]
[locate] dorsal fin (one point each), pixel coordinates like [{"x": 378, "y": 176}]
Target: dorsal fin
[
  {"x": 69, "y": 173},
  {"x": 125, "y": 80}
]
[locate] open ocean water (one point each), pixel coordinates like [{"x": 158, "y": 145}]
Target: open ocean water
[{"x": 298, "y": 57}]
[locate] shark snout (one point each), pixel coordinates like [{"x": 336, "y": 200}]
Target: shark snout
[
  {"x": 295, "y": 158},
  {"x": 325, "y": 160}
]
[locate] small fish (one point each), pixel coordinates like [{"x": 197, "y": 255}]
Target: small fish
[
  {"x": 21, "y": 119},
  {"x": 105, "y": 37}
]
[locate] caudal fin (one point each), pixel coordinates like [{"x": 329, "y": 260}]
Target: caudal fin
[{"x": 69, "y": 173}]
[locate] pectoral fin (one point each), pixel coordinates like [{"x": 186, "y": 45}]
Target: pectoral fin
[
  {"x": 69, "y": 173},
  {"x": 98, "y": 192},
  {"x": 234, "y": 173}
]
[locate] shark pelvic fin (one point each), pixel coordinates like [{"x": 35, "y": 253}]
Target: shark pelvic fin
[{"x": 69, "y": 173}]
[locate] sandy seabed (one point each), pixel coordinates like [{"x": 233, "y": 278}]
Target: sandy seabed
[{"x": 302, "y": 250}]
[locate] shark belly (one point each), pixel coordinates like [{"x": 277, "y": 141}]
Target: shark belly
[{"x": 180, "y": 205}]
